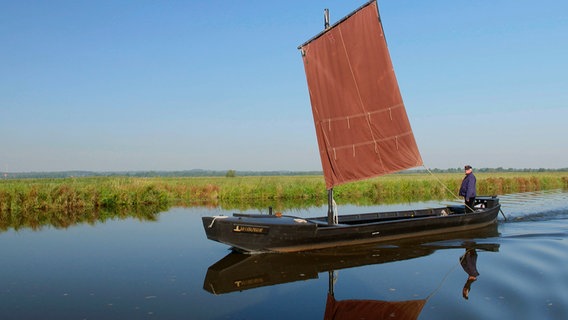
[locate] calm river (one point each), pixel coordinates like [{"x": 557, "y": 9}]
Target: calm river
[{"x": 167, "y": 269}]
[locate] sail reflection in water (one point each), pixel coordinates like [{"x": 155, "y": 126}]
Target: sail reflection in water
[
  {"x": 239, "y": 272},
  {"x": 371, "y": 309}
]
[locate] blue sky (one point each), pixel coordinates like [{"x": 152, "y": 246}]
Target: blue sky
[{"x": 179, "y": 85}]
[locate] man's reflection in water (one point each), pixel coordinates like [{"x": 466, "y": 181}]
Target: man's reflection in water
[{"x": 468, "y": 262}]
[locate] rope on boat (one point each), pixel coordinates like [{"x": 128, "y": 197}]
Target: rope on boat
[
  {"x": 446, "y": 187},
  {"x": 215, "y": 218},
  {"x": 334, "y": 209},
  {"x": 440, "y": 182},
  {"x": 450, "y": 191}
]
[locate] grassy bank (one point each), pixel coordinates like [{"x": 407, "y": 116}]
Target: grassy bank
[
  {"x": 33, "y": 203},
  {"x": 76, "y": 194}
]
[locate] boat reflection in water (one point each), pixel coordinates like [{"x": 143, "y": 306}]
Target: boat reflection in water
[{"x": 239, "y": 272}]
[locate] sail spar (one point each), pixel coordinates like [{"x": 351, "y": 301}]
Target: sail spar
[{"x": 361, "y": 123}]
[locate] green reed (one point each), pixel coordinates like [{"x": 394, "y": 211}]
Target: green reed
[{"x": 71, "y": 196}]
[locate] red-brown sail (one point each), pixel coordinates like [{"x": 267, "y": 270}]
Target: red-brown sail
[
  {"x": 360, "y": 119},
  {"x": 372, "y": 309}
]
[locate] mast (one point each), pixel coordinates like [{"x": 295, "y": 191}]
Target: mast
[
  {"x": 330, "y": 211},
  {"x": 330, "y": 206}
]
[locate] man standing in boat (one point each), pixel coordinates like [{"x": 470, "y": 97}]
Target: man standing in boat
[{"x": 467, "y": 189}]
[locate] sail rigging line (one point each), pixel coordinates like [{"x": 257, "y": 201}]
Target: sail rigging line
[
  {"x": 446, "y": 187},
  {"x": 452, "y": 193},
  {"x": 440, "y": 182}
]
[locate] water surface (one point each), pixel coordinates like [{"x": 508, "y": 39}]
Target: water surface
[{"x": 167, "y": 269}]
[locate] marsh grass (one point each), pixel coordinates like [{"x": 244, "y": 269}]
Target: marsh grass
[{"x": 59, "y": 202}]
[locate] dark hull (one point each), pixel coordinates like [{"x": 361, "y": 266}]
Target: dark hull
[
  {"x": 271, "y": 233},
  {"x": 238, "y": 272}
]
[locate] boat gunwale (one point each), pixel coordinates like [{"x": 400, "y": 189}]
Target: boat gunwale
[{"x": 368, "y": 218}]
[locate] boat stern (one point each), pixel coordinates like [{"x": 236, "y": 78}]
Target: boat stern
[
  {"x": 487, "y": 201},
  {"x": 260, "y": 233}
]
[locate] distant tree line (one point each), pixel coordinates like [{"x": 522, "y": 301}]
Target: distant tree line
[
  {"x": 149, "y": 174},
  {"x": 499, "y": 169},
  {"x": 229, "y": 173}
]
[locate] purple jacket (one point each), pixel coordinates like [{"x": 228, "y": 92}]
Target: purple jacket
[{"x": 467, "y": 189}]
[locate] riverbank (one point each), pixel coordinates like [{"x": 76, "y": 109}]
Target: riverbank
[{"x": 111, "y": 193}]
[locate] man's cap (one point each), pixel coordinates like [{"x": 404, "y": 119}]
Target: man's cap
[{"x": 468, "y": 167}]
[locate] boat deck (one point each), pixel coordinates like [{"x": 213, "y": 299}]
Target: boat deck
[{"x": 374, "y": 217}]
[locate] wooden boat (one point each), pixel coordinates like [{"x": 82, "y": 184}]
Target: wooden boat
[
  {"x": 363, "y": 132},
  {"x": 261, "y": 233}
]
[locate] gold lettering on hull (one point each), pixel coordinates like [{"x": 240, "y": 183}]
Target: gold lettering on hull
[
  {"x": 248, "y": 282},
  {"x": 249, "y": 229}
]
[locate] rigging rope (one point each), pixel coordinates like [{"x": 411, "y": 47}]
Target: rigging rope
[
  {"x": 440, "y": 182},
  {"x": 445, "y": 187}
]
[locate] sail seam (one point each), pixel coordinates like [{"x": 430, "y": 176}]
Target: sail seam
[
  {"x": 375, "y": 142},
  {"x": 364, "y": 114}
]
